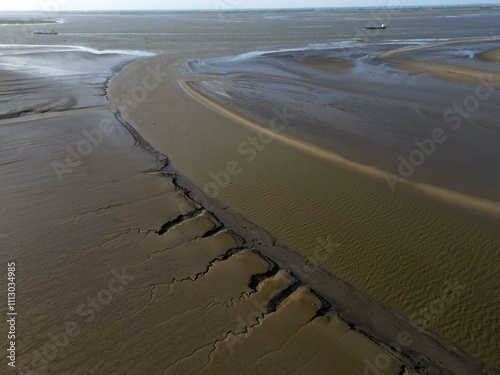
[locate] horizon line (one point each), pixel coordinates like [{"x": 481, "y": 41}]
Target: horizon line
[{"x": 433, "y": 6}]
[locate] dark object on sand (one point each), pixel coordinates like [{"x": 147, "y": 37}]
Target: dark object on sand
[
  {"x": 45, "y": 32},
  {"x": 371, "y": 27}
]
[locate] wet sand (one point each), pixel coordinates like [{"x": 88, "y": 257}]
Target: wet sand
[
  {"x": 492, "y": 55},
  {"x": 171, "y": 271},
  {"x": 465, "y": 69},
  {"x": 187, "y": 278},
  {"x": 369, "y": 254},
  {"x": 207, "y": 291},
  {"x": 134, "y": 275}
]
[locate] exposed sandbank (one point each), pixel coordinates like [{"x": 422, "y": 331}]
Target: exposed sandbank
[
  {"x": 449, "y": 196},
  {"x": 198, "y": 281},
  {"x": 448, "y": 70},
  {"x": 381, "y": 324},
  {"x": 134, "y": 275},
  {"x": 175, "y": 287},
  {"x": 491, "y": 55},
  {"x": 371, "y": 114},
  {"x": 169, "y": 128},
  {"x": 126, "y": 200}
]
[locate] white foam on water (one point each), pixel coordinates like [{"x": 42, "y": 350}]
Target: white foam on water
[
  {"x": 317, "y": 46},
  {"x": 27, "y": 49}
]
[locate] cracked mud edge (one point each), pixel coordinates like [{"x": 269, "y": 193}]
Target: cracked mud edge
[
  {"x": 430, "y": 354},
  {"x": 275, "y": 301}
]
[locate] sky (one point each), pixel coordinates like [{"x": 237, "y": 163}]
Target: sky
[{"x": 61, "y": 5}]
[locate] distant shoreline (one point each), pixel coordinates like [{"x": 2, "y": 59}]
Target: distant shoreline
[
  {"x": 416, "y": 8},
  {"x": 13, "y": 22}
]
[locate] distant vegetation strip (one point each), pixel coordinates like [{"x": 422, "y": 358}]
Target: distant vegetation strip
[{"x": 24, "y": 21}]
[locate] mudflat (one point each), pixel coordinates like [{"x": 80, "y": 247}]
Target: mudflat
[{"x": 142, "y": 257}]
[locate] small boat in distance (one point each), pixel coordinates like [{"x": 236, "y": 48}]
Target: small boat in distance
[
  {"x": 45, "y": 32},
  {"x": 375, "y": 27}
]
